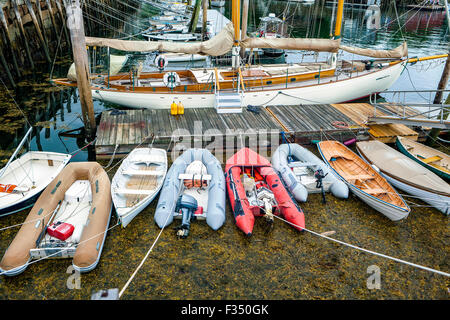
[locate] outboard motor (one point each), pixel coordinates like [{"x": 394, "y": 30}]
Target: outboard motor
[
  {"x": 268, "y": 198},
  {"x": 319, "y": 176},
  {"x": 187, "y": 204}
]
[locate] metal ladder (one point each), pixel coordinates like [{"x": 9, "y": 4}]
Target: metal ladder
[{"x": 228, "y": 102}]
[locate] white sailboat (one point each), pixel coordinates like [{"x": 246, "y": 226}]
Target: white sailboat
[{"x": 264, "y": 85}]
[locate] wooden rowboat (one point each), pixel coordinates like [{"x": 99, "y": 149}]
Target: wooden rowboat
[
  {"x": 432, "y": 159},
  {"x": 363, "y": 180},
  {"x": 406, "y": 174}
]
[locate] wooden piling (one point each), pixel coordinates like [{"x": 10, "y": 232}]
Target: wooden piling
[
  {"x": 77, "y": 36},
  {"x": 22, "y": 32},
  {"x": 195, "y": 14},
  {"x": 8, "y": 42},
  {"x": 63, "y": 21},
  {"x": 41, "y": 22},
  {"x": 5, "y": 66},
  {"x": 52, "y": 17},
  {"x": 38, "y": 30},
  {"x": 204, "y": 19},
  {"x": 438, "y": 99}
]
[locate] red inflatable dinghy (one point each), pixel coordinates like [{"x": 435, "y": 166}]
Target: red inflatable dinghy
[{"x": 255, "y": 189}]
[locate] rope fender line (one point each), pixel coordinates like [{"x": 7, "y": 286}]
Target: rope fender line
[{"x": 369, "y": 251}]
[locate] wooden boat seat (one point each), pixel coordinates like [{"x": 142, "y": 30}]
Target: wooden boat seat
[
  {"x": 301, "y": 164},
  {"x": 374, "y": 190},
  {"x": 132, "y": 172},
  {"x": 432, "y": 159},
  {"x": 148, "y": 159},
  {"x": 361, "y": 177},
  {"x": 335, "y": 157},
  {"x": 133, "y": 191}
]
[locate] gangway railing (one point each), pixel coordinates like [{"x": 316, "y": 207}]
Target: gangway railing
[
  {"x": 426, "y": 114},
  {"x": 400, "y": 96}
]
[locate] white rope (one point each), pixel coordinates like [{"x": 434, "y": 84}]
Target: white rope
[
  {"x": 370, "y": 251},
  {"x": 143, "y": 260}
]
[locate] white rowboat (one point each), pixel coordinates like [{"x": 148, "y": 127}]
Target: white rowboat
[
  {"x": 24, "y": 179},
  {"x": 138, "y": 181}
]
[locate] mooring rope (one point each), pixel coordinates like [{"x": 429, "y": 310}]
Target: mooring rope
[
  {"x": 368, "y": 251},
  {"x": 143, "y": 260}
]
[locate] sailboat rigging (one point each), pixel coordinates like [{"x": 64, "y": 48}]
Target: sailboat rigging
[{"x": 328, "y": 81}]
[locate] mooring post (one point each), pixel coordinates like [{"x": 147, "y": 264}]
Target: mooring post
[
  {"x": 431, "y": 139},
  {"x": 38, "y": 29},
  {"x": 22, "y": 32},
  {"x": 195, "y": 14},
  {"x": 8, "y": 42},
  {"x": 76, "y": 29},
  {"x": 52, "y": 17},
  {"x": 5, "y": 66},
  {"x": 205, "y": 19},
  {"x": 63, "y": 21}
]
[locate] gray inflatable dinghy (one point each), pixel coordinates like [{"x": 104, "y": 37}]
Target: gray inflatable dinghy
[
  {"x": 194, "y": 189},
  {"x": 302, "y": 172}
]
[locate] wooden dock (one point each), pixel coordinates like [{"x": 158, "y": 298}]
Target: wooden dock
[
  {"x": 386, "y": 133},
  {"x": 123, "y": 130},
  {"x": 120, "y": 131}
]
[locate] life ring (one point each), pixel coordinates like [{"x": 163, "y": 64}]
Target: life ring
[
  {"x": 340, "y": 124},
  {"x": 161, "y": 62},
  {"x": 171, "y": 79}
]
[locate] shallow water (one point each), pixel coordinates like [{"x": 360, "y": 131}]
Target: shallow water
[{"x": 277, "y": 264}]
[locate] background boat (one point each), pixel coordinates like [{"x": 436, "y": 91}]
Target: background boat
[
  {"x": 432, "y": 159},
  {"x": 406, "y": 174}
]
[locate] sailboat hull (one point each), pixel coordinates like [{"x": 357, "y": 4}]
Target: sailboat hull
[{"x": 320, "y": 93}]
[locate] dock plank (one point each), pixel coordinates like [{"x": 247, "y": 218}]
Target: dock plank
[{"x": 132, "y": 127}]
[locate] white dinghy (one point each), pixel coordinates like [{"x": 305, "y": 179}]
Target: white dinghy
[
  {"x": 406, "y": 174},
  {"x": 22, "y": 180},
  {"x": 138, "y": 181}
]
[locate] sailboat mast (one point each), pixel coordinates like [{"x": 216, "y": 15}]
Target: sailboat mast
[
  {"x": 236, "y": 20},
  {"x": 339, "y": 15}
]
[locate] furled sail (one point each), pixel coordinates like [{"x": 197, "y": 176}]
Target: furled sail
[
  {"x": 116, "y": 63},
  {"x": 219, "y": 45},
  {"x": 399, "y": 52},
  {"x": 325, "y": 45}
]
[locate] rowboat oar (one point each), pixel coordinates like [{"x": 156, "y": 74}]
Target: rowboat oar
[
  {"x": 41, "y": 235},
  {"x": 16, "y": 152}
]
